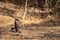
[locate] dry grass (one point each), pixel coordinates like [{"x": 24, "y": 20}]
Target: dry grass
[
  {"x": 29, "y": 32},
  {"x": 5, "y": 20}
]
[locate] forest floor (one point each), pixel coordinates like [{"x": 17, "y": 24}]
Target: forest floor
[{"x": 33, "y": 28}]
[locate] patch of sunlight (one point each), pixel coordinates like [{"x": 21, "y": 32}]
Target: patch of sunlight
[
  {"x": 32, "y": 20},
  {"x": 6, "y": 20}
]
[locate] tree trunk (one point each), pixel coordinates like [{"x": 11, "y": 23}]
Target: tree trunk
[{"x": 25, "y": 11}]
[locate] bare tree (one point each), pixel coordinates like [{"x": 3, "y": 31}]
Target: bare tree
[{"x": 25, "y": 10}]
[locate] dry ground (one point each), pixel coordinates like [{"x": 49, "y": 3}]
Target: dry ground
[{"x": 31, "y": 29}]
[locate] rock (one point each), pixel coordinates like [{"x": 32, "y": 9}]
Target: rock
[{"x": 6, "y": 21}]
